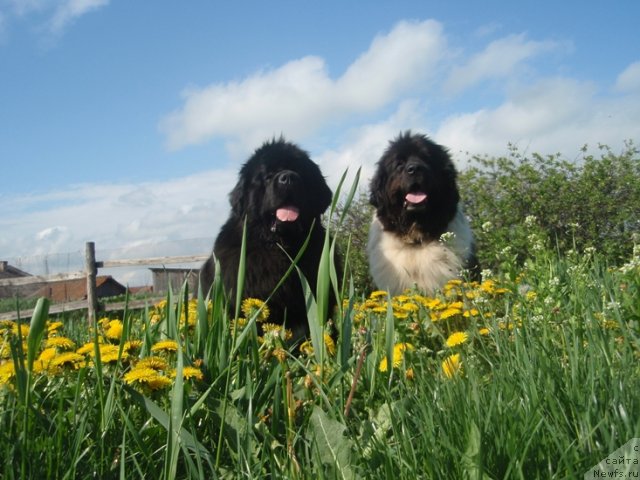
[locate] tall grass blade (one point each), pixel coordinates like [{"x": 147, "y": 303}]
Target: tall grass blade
[
  {"x": 389, "y": 332},
  {"x": 36, "y": 330},
  {"x": 175, "y": 419}
]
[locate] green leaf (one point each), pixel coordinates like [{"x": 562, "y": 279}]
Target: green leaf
[{"x": 333, "y": 447}]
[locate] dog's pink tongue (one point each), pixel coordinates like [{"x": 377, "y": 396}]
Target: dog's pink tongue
[
  {"x": 416, "y": 197},
  {"x": 287, "y": 214}
]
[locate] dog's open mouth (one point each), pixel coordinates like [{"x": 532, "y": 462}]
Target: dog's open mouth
[
  {"x": 287, "y": 213},
  {"x": 414, "y": 199}
]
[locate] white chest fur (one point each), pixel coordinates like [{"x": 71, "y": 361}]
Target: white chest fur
[{"x": 396, "y": 265}]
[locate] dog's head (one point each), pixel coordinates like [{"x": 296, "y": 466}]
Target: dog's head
[
  {"x": 415, "y": 186},
  {"x": 281, "y": 189}
]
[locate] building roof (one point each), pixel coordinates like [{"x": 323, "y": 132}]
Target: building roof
[
  {"x": 9, "y": 271},
  {"x": 70, "y": 290}
]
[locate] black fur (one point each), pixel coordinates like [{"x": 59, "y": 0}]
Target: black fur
[
  {"x": 412, "y": 162},
  {"x": 278, "y": 174}
]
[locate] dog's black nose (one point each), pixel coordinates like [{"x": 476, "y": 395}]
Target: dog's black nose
[
  {"x": 286, "y": 177},
  {"x": 413, "y": 167}
]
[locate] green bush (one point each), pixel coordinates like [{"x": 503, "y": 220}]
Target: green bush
[{"x": 593, "y": 202}]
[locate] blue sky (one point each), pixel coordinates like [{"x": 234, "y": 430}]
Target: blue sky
[{"x": 125, "y": 122}]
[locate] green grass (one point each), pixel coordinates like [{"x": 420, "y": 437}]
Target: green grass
[{"x": 548, "y": 390}]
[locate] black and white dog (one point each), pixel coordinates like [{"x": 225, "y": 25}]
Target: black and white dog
[{"x": 419, "y": 236}]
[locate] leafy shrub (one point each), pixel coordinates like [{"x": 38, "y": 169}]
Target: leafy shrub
[{"x": 594, "y": 202}]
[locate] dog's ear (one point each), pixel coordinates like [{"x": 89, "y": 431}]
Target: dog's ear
[
  {"x": 376, "y": 188},
  {"x": 237, "y": 198},
  {"x": 322, "y": 195}
]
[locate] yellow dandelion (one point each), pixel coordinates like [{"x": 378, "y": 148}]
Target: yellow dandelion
[
  {"x": 379, "y": 309},
  {"x": 189, "y": 373},
  {"x": 409, "y": 374},
  {"x": 307, "y": 348},
  {"x": 280, "y": 354},
  {"x": 47, "y": 355},
  {"x": 488, "y": 286},
  {"x": 432, "y": 303},
  {"x": 161, "y": 305},
  {"x": 67, "y": 359},
  {"x": 139, "y": 375},
  {"x": 506, "y": 325},
  {"x": 7, "y": 372},
  {"x": 398, "y": 356},
  {"x": 109, "y": 353},
  {"x": 410, "y": 307},
  {"x": 87, "y": 348},
  {"x": 165, "y": 346},
  {"x": 402, "y": 298},
  {"x": 238, "y": 323},
  {"x": 471, "y": 294},
  {"x": 456, "y": 338},
  {"x": 452, "y": 365},
  {"x": 274, "y": 330},
  {"x": 400, "y": 315},
  {"x": 251, "y": 305},
  {"x": 470, "y": 313},
  {"x": 60, "y": 343},
  {"x": 159, "y": 382},
  {"x": 192, "y": 372},
  {"x": 329, "y": 344},
  {"x": 24, "y": 329},
  {"x": 6, "y": 324},
  {"x": 5, "y": 350},
  {"x": 153, "y": 362},
  {"x": 104, "y": 322},
  {"x": 378, "y": 294},
  {"x": 610, "y": 324},
  {"x": 113, "y": 330},
  {"x": 53, "y": 327},
  {"x": 449, "y": 312},
  {"x": 132, "y": 345},
  {"x": 484, "y": 331},
  {"x": 369, "y": 304}
]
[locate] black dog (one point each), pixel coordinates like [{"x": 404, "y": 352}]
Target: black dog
[
  {"x": 282, "y": 194},
  {"x": 416, "y": 198}
]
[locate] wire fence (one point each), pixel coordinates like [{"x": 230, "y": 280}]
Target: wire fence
[{"x": 75, "y": 274}]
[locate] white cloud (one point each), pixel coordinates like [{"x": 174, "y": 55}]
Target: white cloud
[
  {"x": 553, "y": 115},
  {"x": 629, "y": 80},
  {"x": 69, "y": 10},
  {"x": 116, "y": 215},
  {"x": 300, "y": 97},
  {"x": 364, "y": 145},
  {"x": 58, "y": 14},
  {"x": 498, "y": 60}
]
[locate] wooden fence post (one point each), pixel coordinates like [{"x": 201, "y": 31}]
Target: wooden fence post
[{"x": 91, "y": 270}]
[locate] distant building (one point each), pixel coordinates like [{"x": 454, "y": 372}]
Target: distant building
[
  {"x": 73, "y": 290},
  {"x": 9, "y": 272},
  {"x": 174, "y": 277}
]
